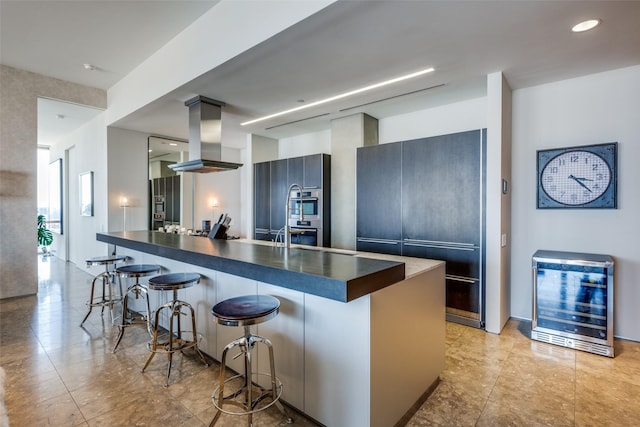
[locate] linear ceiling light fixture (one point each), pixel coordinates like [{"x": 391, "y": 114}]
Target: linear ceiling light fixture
[{"x": 342, "y": 95}]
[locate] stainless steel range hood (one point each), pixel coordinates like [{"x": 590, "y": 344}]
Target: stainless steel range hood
[{"x": 205, "y": 136}]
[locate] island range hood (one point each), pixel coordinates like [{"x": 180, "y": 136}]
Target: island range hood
[{"x": 205, "y": 138}]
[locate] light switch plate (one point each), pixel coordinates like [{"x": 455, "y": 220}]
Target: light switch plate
[{"x": 504, "y": 240}]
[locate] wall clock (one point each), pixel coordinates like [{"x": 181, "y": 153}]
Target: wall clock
[{"x": 578, "y": 177}]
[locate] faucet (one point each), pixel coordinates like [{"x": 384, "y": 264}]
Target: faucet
[
  {"x": 277, "y": 239},
  {"x": 287, "y": 211}
]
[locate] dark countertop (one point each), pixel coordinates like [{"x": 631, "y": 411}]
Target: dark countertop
[{"x": 336, "y": 276}]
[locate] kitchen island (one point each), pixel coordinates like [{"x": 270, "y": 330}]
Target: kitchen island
[{"x": 359, "y": 338}]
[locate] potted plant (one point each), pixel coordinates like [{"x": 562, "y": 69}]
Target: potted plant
[{"x": 45, "y": 236}]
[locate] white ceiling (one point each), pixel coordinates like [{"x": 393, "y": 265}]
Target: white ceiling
[{"x": 349, "y": 44}]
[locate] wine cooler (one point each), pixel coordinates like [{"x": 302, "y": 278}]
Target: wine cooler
[{"x": 573, "y": 300}]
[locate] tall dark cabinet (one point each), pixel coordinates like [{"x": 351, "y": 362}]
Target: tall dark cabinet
[
  {"x": 278, "y": 189},
  {"x": 271, "y": 182},
  {"x": 262, "y": 202},
  {"x": 429, "y": 195},
  {"x": 379, "y": 199}
]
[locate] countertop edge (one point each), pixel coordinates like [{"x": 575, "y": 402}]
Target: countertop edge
[{"x": 380, "y": 271}]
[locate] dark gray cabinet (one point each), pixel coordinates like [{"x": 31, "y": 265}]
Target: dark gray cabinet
[
  {"x": 295, "y": 172},
  {"x": 262, "y": 200},
  {"x": 169, "y": 199},
  {"x": 429, "y": 194},
  {"x": 309, "y": 171},
  {"x": 278, "y": 188},
  {"x": 315, "y": 170},
  {"x": 271, "y": 182},
  {"x": 379, "y": 199},
  {"x": 441, "y": 188}
]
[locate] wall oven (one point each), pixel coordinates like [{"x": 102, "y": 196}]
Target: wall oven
[
  {"x": 309, "y": 200},
  {"x": 306, "y": 229}
]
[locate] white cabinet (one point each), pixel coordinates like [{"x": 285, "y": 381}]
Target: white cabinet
[{"x": 360, "y": 364}]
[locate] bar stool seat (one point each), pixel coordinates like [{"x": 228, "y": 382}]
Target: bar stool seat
[
  {"x": 245, "y": 311},
  {"x": 137, "y": 291},
  {"x": 109, "y": 297},
  {"x": 174, "y": 340}
]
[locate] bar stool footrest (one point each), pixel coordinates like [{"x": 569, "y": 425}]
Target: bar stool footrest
[
  {"x": 103, "y": 302},
  {"x": 245, "y": 407},
  {"x": 133, "y": 318},
  {"x": 177, "y": 344}
]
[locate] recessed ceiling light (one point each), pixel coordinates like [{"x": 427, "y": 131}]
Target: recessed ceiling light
[
  {"x": 585, "y": 25},
  {"x": 173, "y": 144},
  {"x": 150, "y": 150},
  {"x": 89, "y": 67},
  {"x": 342, "y": 95}
]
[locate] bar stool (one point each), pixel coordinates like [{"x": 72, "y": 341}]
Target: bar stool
[
  {"x": 109, "y": 297},
  {"x": 246, "y": 311},
  {"x": 137, "y": 291},
  {"x": 174, "y": 341}
]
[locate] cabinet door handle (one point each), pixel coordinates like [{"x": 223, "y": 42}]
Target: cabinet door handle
[
  {"x": 460, "y": 279},
  {"x": 441, "y": 245},
  {"x": 384, "y": 242}
]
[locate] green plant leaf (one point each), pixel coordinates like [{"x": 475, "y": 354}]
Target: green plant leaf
[{"x": 45, "y": 236}]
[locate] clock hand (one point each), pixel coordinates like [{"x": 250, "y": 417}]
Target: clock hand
[{"x": 579, "y": 181}]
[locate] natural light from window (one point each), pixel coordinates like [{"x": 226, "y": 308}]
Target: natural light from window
[{"x": 43, "y": 181}]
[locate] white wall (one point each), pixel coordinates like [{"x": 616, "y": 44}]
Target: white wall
[
  {"x": 594, "y": 109},
  {"x": 83, "y": 150},
  {"x": 128, "y": 177},
  {"x": 226, "y": 188},
  {"x": 451, "y": 118},
  {"x": 305, "y": 145}
]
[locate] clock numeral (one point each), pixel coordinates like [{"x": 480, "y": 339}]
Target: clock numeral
[
  {"x": 574, "y": 158},
  {"x": 594, "y": 167},
  {"x": 553, "y": 169}
]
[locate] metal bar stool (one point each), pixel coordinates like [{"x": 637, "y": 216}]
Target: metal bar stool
[
  {"x": 137, "y": 291},
  {"x": 109, "y": 297},
  {"x": 246, "y": 311},
  {"x": 174, "y": 341}
]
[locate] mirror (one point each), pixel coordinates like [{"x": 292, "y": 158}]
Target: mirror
[{"x": 169, "y": 203}]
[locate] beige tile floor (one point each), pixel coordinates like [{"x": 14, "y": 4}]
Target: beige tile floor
[{"x": 59, "y": 374}]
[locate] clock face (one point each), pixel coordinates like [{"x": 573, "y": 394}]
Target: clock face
[{"x": 575, "y": 178}]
